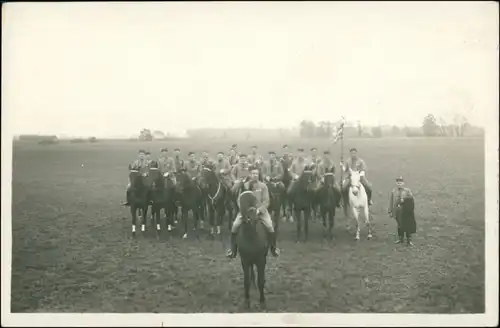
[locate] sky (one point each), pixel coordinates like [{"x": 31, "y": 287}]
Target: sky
[{"x": 109, "y": 69}]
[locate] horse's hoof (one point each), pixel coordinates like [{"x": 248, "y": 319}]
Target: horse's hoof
[
  {"x": 262, "y": 305},
  {"x": 247, "y": 304},
  {"x": 169, "y": 228},
  {"x": 185, "y": 236},
  {"x": 356, "y": 238},
  {"x": 370, "y": 236}
]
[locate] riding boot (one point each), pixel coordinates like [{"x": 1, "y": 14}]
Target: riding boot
[
  {"x": 408, "y": 239},
  {"x": 272, "y": 243},
  {"x": 401, "y": 236},
  {"x": 369, "y": 194},
  {"x": 234, "y": 246}
]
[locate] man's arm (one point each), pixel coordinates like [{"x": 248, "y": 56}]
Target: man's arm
[
  {"x": 234, "y": 172},
  {"x": 265, "y": 198},
  {"x": 391, "y": 202}
]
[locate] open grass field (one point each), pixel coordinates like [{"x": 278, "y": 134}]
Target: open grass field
[{"x": 72, "y": 250}]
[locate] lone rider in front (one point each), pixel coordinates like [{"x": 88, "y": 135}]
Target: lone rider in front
[
  {"x": 261, "y": 193},
  {"x": 356, "y": 164}
]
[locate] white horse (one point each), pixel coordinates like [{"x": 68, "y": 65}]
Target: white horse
[{"x": 358, "y": 202}]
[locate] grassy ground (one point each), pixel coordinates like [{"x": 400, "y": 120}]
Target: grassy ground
[{"x": 72, "y": 250}]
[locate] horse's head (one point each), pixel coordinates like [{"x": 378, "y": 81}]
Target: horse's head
[
  {"x": 207, "y": 175},
  {"x": 306, "y": 179},
  {"x": 250, "y": 215},
  {"x": 135, "y": 178},
  {"x": 155, "y": 176},
  {"x": 329, "y": 177},
  {"x": 355, "y": 178},
  {"x": 183, "y": 180}
]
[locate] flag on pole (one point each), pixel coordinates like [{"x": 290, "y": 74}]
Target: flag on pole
[{"x": 338, "y": 132}]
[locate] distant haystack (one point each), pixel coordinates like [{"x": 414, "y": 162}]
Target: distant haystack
[{"x": 92, "y": 139}]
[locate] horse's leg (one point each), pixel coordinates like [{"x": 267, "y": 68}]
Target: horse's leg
[
  {"x": 307, "y": 216},
  {"x": 133, "y": 211},
  {"x": 331, "y": 217},
  {"x": 297, "y": 214},
  {"x": 323, "y": 217},
  {"x": 144, "y": 211},
  {"x": 246, "y": 282},
  {"x": 220, "y": 215},
  {"x": 367, "y": 221},
  {"x": 157, "y": 221},
  {"x": 355, "y": 214},
  {"x": 185, "y": 221},
  {"x": 211, "y": 218},
  {"x": 261, "y": 272}
]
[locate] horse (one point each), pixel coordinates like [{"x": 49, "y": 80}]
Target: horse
[
  {"x": 156, "y": 195},
  {"x": 286, "y": 203},
  {"x": 358, "y": 202},
  {"x": 171, "y": 197},
  {"x": 138, "y": 198},
  {"x": 327, "y": 198},
  {"x": 302, "y": 199},
  {"x": 252, "y": 243},
  {"x": 190, "y": 195},
  {"x": 217, "y": 197},
  {"x": 276, "y": 196}
]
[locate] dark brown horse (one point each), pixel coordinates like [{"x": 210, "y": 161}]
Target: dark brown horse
[
  {"x": 190, "y": 199},
  {"x": 328, "y": 198},
  {"x": 253, "y": 248},
  {"x": 286, "y": 204},
  {"x": 156, "y": 195},
  {"x": 138, "y": 198},
  {"x": 217, "y": 198},
  {"x": 302, "y": 200}
]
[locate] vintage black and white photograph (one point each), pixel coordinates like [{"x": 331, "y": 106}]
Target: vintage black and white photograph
[{"x": 271, "y": 159}]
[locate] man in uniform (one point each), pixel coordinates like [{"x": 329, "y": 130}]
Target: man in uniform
[
  {"x": 148, "y": 157},
  {"x": 356, "y": 164},
  {"x": 273, "y": 169},
  {"x": 254, "y": 157},
  {"x": 261, "y": 194},
  {"x": 178, "y": 161},
  {"x": 205, "y": 158},
  {"x": 223, "y": 170},
  {"x": 314, "y": 156},
  {"x": 140, "y": 165},
  {"x": 327, "y": 163},
  {"x": 193, "y": 167},
  {"x": 240, "y": 172},
  {"x": 406, "y": 223},
  {"x": 233, "y": 157},
  {"x": 296, "y": 170}
]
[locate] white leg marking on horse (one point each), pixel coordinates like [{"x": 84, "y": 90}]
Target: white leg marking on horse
[
  {"x": 143, "y": 227},
  {"x": 158, "y": 226},
  {"x": 133, "y": 228},
  {"x": 218, "y": 230},
  {"x": 169, "y": 227},
  {"x": 185, "y": 236}
]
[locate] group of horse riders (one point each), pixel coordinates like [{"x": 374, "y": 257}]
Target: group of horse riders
[{"x": 236, "y": 169}]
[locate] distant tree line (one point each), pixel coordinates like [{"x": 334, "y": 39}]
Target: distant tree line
[{"x": 431, "y": 127}]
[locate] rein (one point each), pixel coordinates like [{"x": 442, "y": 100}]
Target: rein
[{"x": 213, "y": 198}]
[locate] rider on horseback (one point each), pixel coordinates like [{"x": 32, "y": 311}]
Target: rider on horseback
[
  {"x": 356, "y": 164},
  {"x": 178, "y": 161},
  {"x": 324, "y": 164},
  {"x": 240, "y": 172},
  {"x": 223, "y": 170},
  {"x": 140, "y": 165},
  {"x": 261, "y": 193},
  {"x": 193, "y": 168},
  {"x": 273, "y": 169},
  {"x": 297, "y": 168},
  {"x": 166, "y": 162}
]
